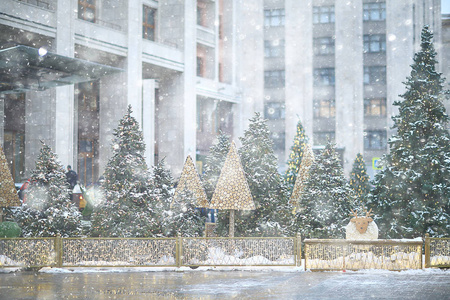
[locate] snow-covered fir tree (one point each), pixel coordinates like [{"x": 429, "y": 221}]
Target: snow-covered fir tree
[
  {"x": 129, "y": 207},
  {"x": 412, "y": 193},
  {"x": 359, "y": 180},
  {"x": 272, "y": 216},
  {"x": 214, "y": 163},
  {"x": 48, "y": 209},
  {"x": 327, "y": 199},
  {"x": 296, "y": 156},
  {"x": 184, "y": 218},
  {"x": 163, "y": 187}
]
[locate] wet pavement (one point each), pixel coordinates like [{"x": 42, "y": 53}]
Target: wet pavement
[{"x": 236, "y": 284}]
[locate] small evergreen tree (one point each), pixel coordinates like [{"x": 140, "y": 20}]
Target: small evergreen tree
[
  {"x": 296, "y": 156},
  {"x": 359, "y": 180},
  {"x": 412, "y": 192},
  {"x": 48, "y": 210},
  {"x": 272, "y": 216},
  {"x": 129, "y": 209},
  {"x": 163, "y": 190},
  {"x": 327, "y": 199}
]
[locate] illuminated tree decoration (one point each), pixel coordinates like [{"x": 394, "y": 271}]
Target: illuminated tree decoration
[
  {"x": 412, "y": 191},
  {"x": 232, "y": 190},
  {"x": 296, "y": 156},
  {"x": 359, "y": 179},
  {"x": 303, "y": 174},
  {"x": 190, "y": 181},
  {"x": 8, "y": 193}
]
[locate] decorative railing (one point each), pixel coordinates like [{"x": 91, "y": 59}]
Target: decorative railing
[
  {"x": 28, "y": 252},
  {"x": 323, "y": 254},
  {"x": 437, "y": 252}
]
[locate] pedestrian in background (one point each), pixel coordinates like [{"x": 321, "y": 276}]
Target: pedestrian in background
[{"x": 72, "y": 177}]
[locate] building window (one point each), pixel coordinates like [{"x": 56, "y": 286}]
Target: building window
[
  {"x": 324, "y": 46},
  {"x": 323, "y": 14},
  {"x": 274, "y": 17},
  {"x": 324, "y": 108},
  {"x": 274, "y": 78},
  {"x": 322, "y": 138},
  {"x": 375, "y": 75},
  {"x": 86, "y": 10},
  {"x": 88, "y": 99},
  {"x": 374, "y": 43},
  {"x": 278, "y": 139},
  {"x": 324, "y": 76},
  {"x": 375, "y": 140},
  {"x": 375, "y": 107},
  {"x": 200, "y": 67},
  {"x": 274, "y": 111},
  {"x": 274, "y": 48},
  {"x": 149, "y": 23},
  {"x": 374, "y": 11}
]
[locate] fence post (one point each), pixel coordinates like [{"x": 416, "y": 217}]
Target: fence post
[
  {"x": 58, "y": 249},
  {"x": 178, "y": 251},
  {"x": 427, "y": 251},
  {"x": 298, "y": 240}
]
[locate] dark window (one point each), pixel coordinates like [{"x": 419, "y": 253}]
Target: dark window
[
  {"x": 375, "y": 107},
  {"x": 324, "y": 76},
  {"x": 374, "y": 11},
  {"x": 324, "y": 108},
  {"x": 86, "y": 10},
  {"x": 375, "y": 140},
  {"x": 274, "y": 78},
  {"x": 274, "y": 17},
  {"x": 274, "y": 48},
  {"x": 374, "y": 43},
  {"x": 324, "y": 46},
  {"x": 375, "y": 75},
  {"x": 323, "y": 14},
  {"x": 149, "y": 23},
  {"x": 200, "y": 66},
  {"x": 278, "y": 139},
  {"x": 321, "y": 138},
  {"x": 274, "y": 111}
]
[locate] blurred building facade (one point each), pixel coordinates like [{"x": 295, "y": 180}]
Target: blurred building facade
[
  {"x": 190, "y": 70},
  {"x": 338, "y": 66}
]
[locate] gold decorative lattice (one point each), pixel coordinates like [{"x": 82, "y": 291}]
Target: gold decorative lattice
[
  {"x": 8, "y": 193},
  {"x": 190, "y": 181},
  {"x": 232, "y": 190},
  {"x": 303, "y": 174}
]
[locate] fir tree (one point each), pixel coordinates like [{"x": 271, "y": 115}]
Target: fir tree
[
  {"x": 273, "y": 213},
  {"x": 129, "y": 207},
  {"x": 412, "y": 192},
  {"x": 214, "y": 163},
  {"x": 327, "y": 198},
  {"x": 163, "y": 187},
  {"x": 296, "y": 156},
  {"x": 359, "y": 180},
  {"x": 48, "y": 210}
]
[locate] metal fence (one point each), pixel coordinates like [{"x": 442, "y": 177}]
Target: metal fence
[
  {"x": 149, "y": 252},
  {"x": 437, "y": 252},
  {"x": 323, "y": 254}
]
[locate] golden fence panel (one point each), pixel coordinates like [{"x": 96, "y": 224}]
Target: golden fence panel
[
  {"x": 440, "y": 252},
  {"x": 118, "y": 252},
  {"x": 322, "y": 254},
  {"x": 27, "y": 252},
  {"x": 238, "y": 252}
]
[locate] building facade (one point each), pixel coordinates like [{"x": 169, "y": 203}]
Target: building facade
[
  {"x": 190, "y": 70},
  {"x": 338, "y": 66}
]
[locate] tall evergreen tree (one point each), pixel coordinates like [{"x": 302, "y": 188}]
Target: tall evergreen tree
[
  {"x": 296, "y": 156},
  {"x": 273, "y": 213},
  {"x": 327, "y": 199},
  {"x": 359, "y": 180},
  {"x": 163, "y": 191},
  {"x": 48, "y": 210},
  {"x": 412, "y": 191},
  {"x": 129, "y": 209}
]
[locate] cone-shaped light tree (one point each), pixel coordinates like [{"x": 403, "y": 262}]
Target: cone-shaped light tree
[
  {"x": 412, "y": 191},
  {"x": 8, "y": 193},
  {"x": 232, "y": 191},
  {"x": 296, "y": 156},
  {"x": 359, "y": 180},
  {"x": 48, "y": 210},
  {"x": 302, "y": 177},
  {"x": 129, "y": 207}
]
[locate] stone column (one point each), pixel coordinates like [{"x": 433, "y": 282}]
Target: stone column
[
  {"x": 349, "y": 80},
  {"x": 148, "y": 120}
]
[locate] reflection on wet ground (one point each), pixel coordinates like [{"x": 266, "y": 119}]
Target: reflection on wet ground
[{"x": 215, "y": 284}]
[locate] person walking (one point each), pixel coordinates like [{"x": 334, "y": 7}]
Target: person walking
[{"x": 72, "y": 177}]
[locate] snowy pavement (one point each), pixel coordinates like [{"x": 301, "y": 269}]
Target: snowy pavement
[{"x": 223, "y": 283}]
